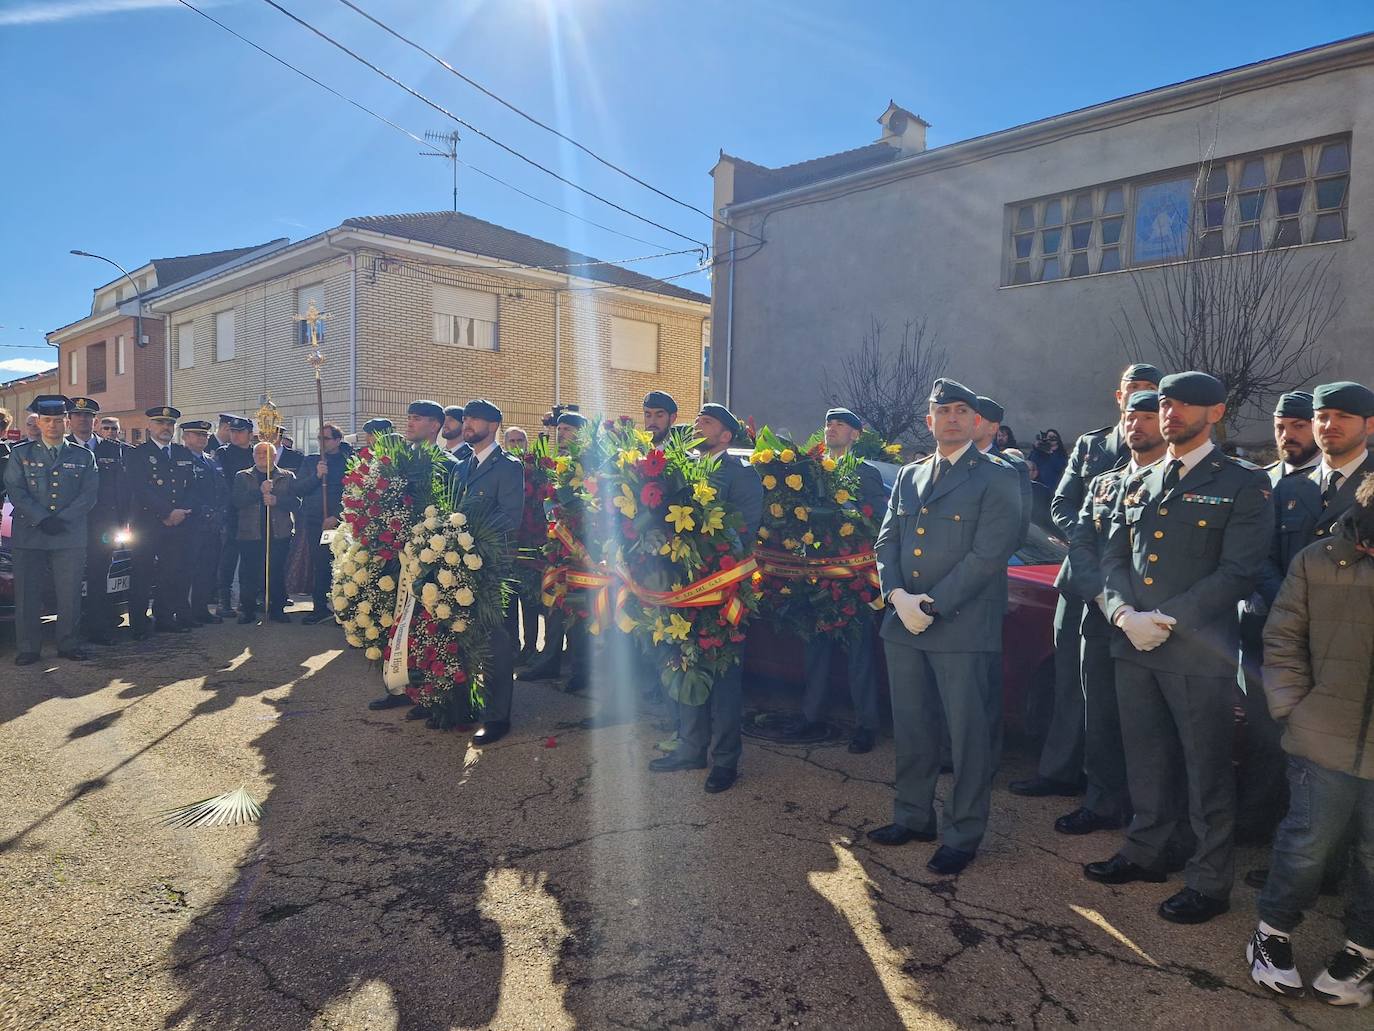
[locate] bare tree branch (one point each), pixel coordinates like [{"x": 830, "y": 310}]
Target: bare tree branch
[{"x": 888, "y": 389}]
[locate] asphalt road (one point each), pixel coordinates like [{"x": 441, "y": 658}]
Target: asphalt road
[{"x": 402, "y": 879}]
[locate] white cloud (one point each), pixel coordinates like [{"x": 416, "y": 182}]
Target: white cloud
[
  {"x": 38, "y": 12},
  {"x": 25, "y": 366}
]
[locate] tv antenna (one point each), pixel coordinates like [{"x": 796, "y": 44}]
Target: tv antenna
[{"x": 449, "y": 150}]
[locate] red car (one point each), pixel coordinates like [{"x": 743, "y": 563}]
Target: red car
[{"x": 1027, "y": 634}]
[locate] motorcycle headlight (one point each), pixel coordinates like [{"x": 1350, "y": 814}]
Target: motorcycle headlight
[{"x": 123, "y": 538}]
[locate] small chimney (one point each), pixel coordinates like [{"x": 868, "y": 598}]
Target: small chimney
[{"x": 902, "y": 129}]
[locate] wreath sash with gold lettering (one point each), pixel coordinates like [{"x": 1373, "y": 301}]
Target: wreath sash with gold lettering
[{"x": 787, "y": 566}]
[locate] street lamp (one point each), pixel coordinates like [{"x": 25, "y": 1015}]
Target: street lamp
[{"x": 138, "y": 294}]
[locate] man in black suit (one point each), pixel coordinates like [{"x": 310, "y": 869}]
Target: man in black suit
[
  {"x": 105, "y": 523},
  {"x": 494, "y": 480}
]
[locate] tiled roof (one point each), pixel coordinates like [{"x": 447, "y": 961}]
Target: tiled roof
[
  {"x": 174, "y": 270},
  {"x": 753, "y": 180},
  {"x": 465, "y": 233}
]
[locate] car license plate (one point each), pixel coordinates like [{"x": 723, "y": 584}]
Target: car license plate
[{"x": 115, "y": 584}]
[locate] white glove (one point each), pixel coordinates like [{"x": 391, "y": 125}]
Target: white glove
[
  {"x": 1146, "y": 630},
  {"x": 1101, "y": 601},
  {"x": 908, "y": 609}
]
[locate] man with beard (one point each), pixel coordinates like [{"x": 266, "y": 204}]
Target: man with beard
[
  {"x": 233, "y": 458},
  {"x": 105, "y": 521},
  {"x": 451, "y": 433},
  {"x": 660, "y": 409},
  {"x": 1188, "y": 540}
]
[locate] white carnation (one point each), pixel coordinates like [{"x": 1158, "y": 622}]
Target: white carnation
[
  {"x": 426, "y": 556},
  {"x": 347, "y": 568},
  {"x": 431, "y": 511},
  {"x": 442, "y": 610},
  {"x": 354, "y": 640},
  {"x": 387, "y": 619},
  {"x": 472, "y": 560},
  {"x": 446, "y": 578},
  {"x": 363, "y": 619},
  {"x": 465, "y": 541},
  {"x": 374, "y": 653},
  {"x": 459, "y": 625},
  {"x": 372, "y": 633},
  {"x": 362, "y": 557},
  {"x": 387, "y": 584},
  {"x": 340, "y": 602},
  {"x": 429, "y": 594},
  {"x": 364, "y": 606},
  {"x": 452, "y": 557},
  {"x": 464, "y": 597},
  {"x": 350, "y": 589},
  {"x": 362, "y": 576}
]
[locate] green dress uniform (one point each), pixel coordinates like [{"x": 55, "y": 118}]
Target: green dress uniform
[
  {"x": 110, "y": 515},
  {"x": 1189, "y": 545},
  {"x": 948, "y": 532},
  {"x": 53, "y": 490},
  {"x": 160, "y": 480}
]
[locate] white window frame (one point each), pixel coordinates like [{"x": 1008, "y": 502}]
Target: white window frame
[
  {"x": 466, "y": 318},
  {"x": 72, "y": 367},
  {"x": 628, "y": 339},
  {"x": 224, "y": 342},
  {"x": 186, "y": 345},
  {"x": 119, "y": 356}
]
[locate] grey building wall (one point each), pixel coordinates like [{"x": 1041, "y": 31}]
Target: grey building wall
[{"x": 932, "y": 245}]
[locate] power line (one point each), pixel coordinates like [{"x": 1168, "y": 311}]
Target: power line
[
  {"x": 407, "y": 133},
  {"x": 472, "y": 128},
  {"x": 532, "y": 119}
]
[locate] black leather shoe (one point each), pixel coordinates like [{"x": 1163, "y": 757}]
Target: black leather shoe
[
  {"x": 417, "y": 712},
  {"x": 526, "y": 656},
  {"x": 1043, "y": 787},
  {"x": 672, "y": 762},
  {"x": 1190, "y": 906},
  {"x": 862, "y": 741},
  {"x": 1120, "y": 870},
  {"x": 540, "y": 671},
  {"x": 1084, "y": 821},
  {"x": 75, "y": 654},
  {"x": 311, "y": 618},
  {"x": 491, "y": 732},
  {"x": 26, "y": 658},
  {"x": 280, "y": 617},
  {"x": 388, "y": 701},
  {"x": 575, "y": 683},
  {"x": 896, "y": 834},
  {"x": 208, "y": 617},
  {"x": 720, "y": 779},
  {"x": 949, "y": 862},
  {"x": 248, "y": 617}
]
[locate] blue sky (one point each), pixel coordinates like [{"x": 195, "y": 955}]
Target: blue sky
[{"x": 135, "y": 129}]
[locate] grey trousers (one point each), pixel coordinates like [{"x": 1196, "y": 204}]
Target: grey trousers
[
  {"x": 863, "y": 681},
  {"x": 1061, "y": 758},
  {"x": 34, "y": 568},
  {"x": 713, "y": 728},
  {"x": 1104, "y": 761},
  {"x": 921, "y": 684},
  {"x": 1174, "y": 726}
]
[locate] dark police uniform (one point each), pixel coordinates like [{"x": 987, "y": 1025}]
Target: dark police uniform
[
  {"x": 53, "y": 491},
  {"x": 160, "y": 481},
  {"x": 209, "y": 498},
  {"x": 497, "y": 483},
  {"x": 1191, "y": 550},
  {"x": 106, "y": 520},
  {"x": 948, "y": 533},
  {"x": 232, "y": 460}
]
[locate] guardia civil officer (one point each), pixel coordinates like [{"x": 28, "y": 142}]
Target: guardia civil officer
[
  {"x": 1108, "y": 801},
  {"x": 53, "y": 484},
  {"x": 842, "y": 431},
  {"x": 374, "y": 428},
  {"x": 660, "y": 409},
  {"x": 104, "y": 523},
  {"x": 494, "y": 480},
  {"x": 209, "y": 499},
  {"x": 161, "y": 506},
  {"x": 712, "y": 729},
  {"x": 233, "y": 458},
  {"x": 451, "y": 432},
  {"x": 1185, "y": 548},
  {"x": 1097, "y": 451},
  {"x": 1262, "y": 789},
  {"x": 952, "y": 522}
]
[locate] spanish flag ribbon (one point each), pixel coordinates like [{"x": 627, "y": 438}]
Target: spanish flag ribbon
[
  {"x": 719, "y": 588},
  {"x": 787, "y": 566}
]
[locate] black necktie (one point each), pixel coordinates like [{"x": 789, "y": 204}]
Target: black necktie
[
  {"x": 168, "y": 452},
  {"x": 1171, "y": 474},
  {"x": 942, "y": 468},
  {"x": 1333, "y": 484}
]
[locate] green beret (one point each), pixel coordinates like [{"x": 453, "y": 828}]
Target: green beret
[
  {"x": 660, "y": 399},
  {"x": 1193, "y": 388},
  {"x": 951, "y": 391},
  {"x": 723, "y": 416},
  {"x": 453, "y": 412},
  {"x": 1355, "y": 398},
  {"x": 375, "y": 426},
  {"x": 1296, "y": 404},
  {"x": 1141, "y": 372},
  {"x": 1143, "y": 401},
  {"x": 482, "y": 409},
  {"x": 573, "y": 419},
  {"x": 990, "y": 409},
  {"x": 844, "y": 415},
  {"x": 428, "y": 409}
]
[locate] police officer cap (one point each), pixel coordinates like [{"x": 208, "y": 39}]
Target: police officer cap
[
  {"x": 238, "y": 423},
  {"x": 571, "y": 419},
  {"x": 159, "y": 413},
  {"x": 723, "y": 416},
  {"x": 482, "y": 409},
  {"x": 1141, "y": 372},
  {"x": 227, "y": 417},
  {"x": 660, "y": 399},
  {"x": 990, "y": 409},
  {"x": 453, "y": 412},
  {"x": 375, "y": 426},
  {"x": 951, "y": 391},
  {"x": 844, "y": 415},
  {"x": 1193, "y": 388},
  {"x": 1143, "y": 401},
  {"x": 429, "y": 409},
  {"x": 82, "y": 404},
  {"x": 1296, "y": 404},
  {"x": 1355, "y": 398},
  {"x": 49, "y": 404},
  {"x": 197, "y": 425}
]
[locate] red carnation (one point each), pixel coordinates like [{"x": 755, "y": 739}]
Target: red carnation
[
  {"x": 867, "y": 510},
  {"x": 413, "y": 693},
  {"x": 383, "y": 484},
  {"x": 386, "y": 459},
  {"x": 429, "y": 653},
  {"x": 451, "y": 647},
  {"x": 728, "y": 562},
  {"x": 438, "y": 668},
  {"x": 651, "y": 494},
  {"x": 374, "y": 511},
  {"x": 460, "y": 677},
  {"x": 849, "y": 610}
]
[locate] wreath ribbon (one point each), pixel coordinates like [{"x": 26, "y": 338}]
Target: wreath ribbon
[{"x": 786, "y": 566}]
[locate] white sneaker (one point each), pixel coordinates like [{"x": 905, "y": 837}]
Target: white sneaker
[
  {"x": 1348, "y": 979},
  {"x": 1271, "y": 963}
]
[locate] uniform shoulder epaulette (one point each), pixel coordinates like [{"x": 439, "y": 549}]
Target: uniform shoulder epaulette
[
  {"x": 1005, "y": 463},
  {"x": 921, "y": 461},
  {"x": 1100, "y": 432}
]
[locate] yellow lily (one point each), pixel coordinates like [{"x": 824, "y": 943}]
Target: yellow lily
[
  {"x": 561, "y": 463},
  {"x": 675, "y": 549},
  {"x": 794, "y": 481},
  {"x": 644, "y": 437},
  {"x": 678, "y": 628},
  {"x": 625, "y": 501},
  {"x": 680, "y": 516},
  {"x": 893, "y": 449},
  {"x": 703, "y": 492},
  {"x": 625, "y": 623},
  {"x": 660, "y": 630},
  {"x": 713, "y": 520},
  {"x": 628, "y": 457}
]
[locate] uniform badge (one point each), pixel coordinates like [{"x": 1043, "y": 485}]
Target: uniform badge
[{"x": 1292, "y": 504}]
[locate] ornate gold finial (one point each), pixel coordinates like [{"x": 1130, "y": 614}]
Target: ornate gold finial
[
  {"x": 314, "y": 320},
  {"x": 269, "y": 421}
]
